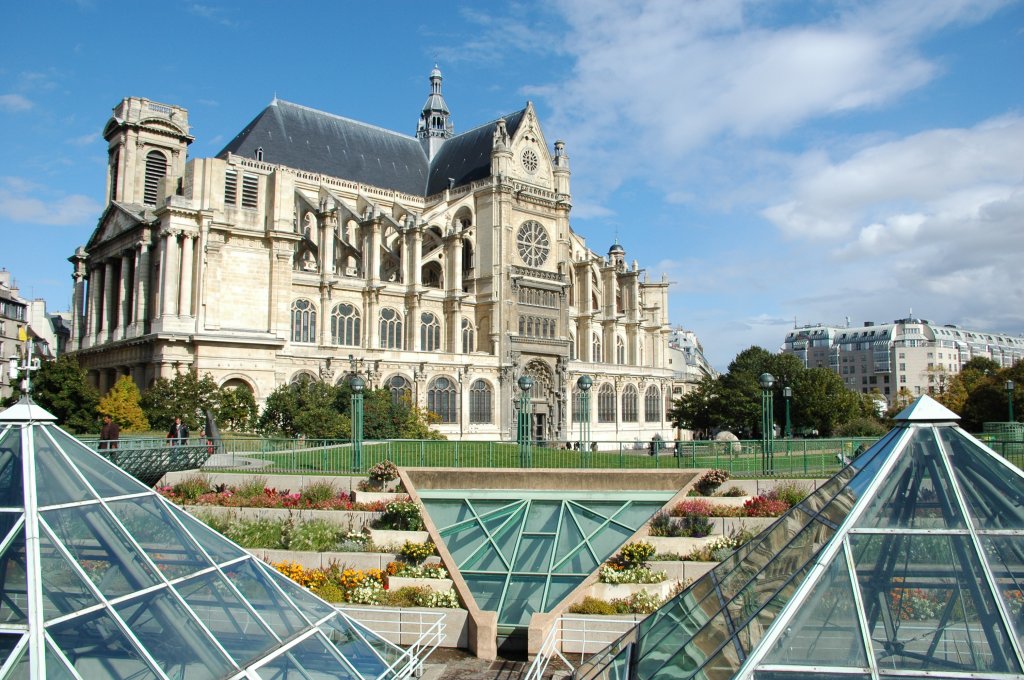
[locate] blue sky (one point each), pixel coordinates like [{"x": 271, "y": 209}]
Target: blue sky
[{"x": 776, "y": 160}]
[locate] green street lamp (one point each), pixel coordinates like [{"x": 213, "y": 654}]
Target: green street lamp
[
  {"x": 525, "y": 437},
  {"x": 357, "y": 384},
  {"x": 584, "y": 383},
  {"x": 767, "y": 423},
  {"x": 1009, "y": 397},
  {"x": 787, "y": 392}
]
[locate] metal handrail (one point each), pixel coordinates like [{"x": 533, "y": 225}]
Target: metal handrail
[
  {"x": 564, "y": 630},
  {"x": 432, "y": 633}
]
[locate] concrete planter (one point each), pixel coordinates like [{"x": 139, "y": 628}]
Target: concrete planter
[
  {"x": 348, "y": 520},
  {"x": 404, "y": 626},
  {"x": 386, "y": 538},
  {"x": 724, "y": 526},
  {"x": 318, "y": 560},
  {"x": 438, "y": 585},
  {"x": 681, "y": 545},
  {"x": 378, "y": 496},
  {"x": 619, "y": 591}
]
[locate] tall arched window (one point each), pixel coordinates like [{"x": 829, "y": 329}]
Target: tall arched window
[
  {"x": 620, "y": 351},
  {"x": 468, "y": 344},
  {"x": 629, "y": 404},
  {"x": 400, "y": 388},
  {"x": 481, "y": 396},
  {"x": 430, "y": 332},
  {"x": 578, "y": 414},
  {"x": 345, "y": 328},
  {"x": 606, "y": 404},
  {"x": 652, "y": 404},
  {"x": 156, "y": 170},
  {"x": 572, "y": 348},
  {"x": 443, "y": 399},
  {"x": 303, "y": 321},
  {"x": 390, "y": 329},
  {"x": 595, "y": 349}
]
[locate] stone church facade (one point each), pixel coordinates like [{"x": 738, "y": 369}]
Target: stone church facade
[{"x": 441, "y": 266}]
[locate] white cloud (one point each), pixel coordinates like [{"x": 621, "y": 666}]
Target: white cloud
[
  {"x": 85, "y": 140},
  {"x": 29, "y": 203},
  {"x": 14, "y": 103}
]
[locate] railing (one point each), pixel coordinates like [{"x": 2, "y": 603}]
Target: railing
[
  {"x": 396, "y": 624},
  {"x": 587, "y": 634},
  {"x": 149, "y": 459}
]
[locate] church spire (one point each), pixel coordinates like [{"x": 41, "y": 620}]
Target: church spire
[{"x": 435, "y": 124}]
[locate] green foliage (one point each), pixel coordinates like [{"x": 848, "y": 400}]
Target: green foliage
[
  {"x": 317, "y": 535},
  {"x": 61, "y": 387},
  {"x": 318, "y": 492},
  {"x": 733, "y": 492},
  {"x": 305, "y": 407},
  {"x": 662, "y": 525},
  {"x": 251, "y": 487},
  {"x": 863, "y": 426},
  {"x": 186, "y": 395},
  {"x": 593, "y": 606},
  {"x": 635, "y": 553},
  {"x": 121, "y": 403},
  {"x": 696, "y": 526},
  {"x": 383, "y": 472},
  {"x": 192, "y": 487},
  {"x": 417, "y": 552},
  {"x": 259, "y": 533},
  {"x": 400, "y": 516},
  {"x": 789, "y": 492},
  {"x": 237, "y": 409}
]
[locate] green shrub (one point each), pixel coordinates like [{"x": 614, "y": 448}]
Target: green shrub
[
  {"x": 662, "y": 525},
  {"x": 667, "y": 557},
  {"x": 696, "y": 526},
  {"x": 733, "y": 492},
  {"x": 251, "y": 487},
  {"x": 317, "y": 535},
  {"x": 217, "y": 522},
  {"x": 383, "y": 472},
  {"x": 593, "y": 606},
  {"x": 710, "y": 481},
  {"x": 259, "y": 533},
  {"x": 400, "y": 516},
  {"x": 331, "y": 592},
  {"x": 636, "y": 553},
  {"x": 319, "y": 492},
  {"x": 789, "y": 492},
  {"x": 409, "y": 596},
  {"x": 191, "y": 488},
  {"x": 417, "y": 552}
]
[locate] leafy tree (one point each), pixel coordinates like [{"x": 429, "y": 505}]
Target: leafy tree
[
  {"x": 822, "y": 402},
  {"x": 385, "y": 418},
  {"x": 121, "y": 403},
  {"x": 61, "y": 387},
  {"x": 306, "y": 407},
  {"x": 697, "y": 409},
  {"x": 236, "y": 409},
  {"x": 185, "y": 395}
]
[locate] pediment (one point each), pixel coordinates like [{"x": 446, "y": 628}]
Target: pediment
[{"x": 117, "y": 219}]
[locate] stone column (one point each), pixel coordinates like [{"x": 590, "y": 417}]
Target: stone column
[
  {"x": 416, "y": 260},
  {"x": 188, "y": 242},
  {"x": 371, "y": 324},
  {"x": 126, "y": 290},
  {"x": 412, "y": 323},
  {"x": 372, "y": 258},
  {"x": 169, "y": 261},
  {"x": 327, "y": 243},
  {"x": 141, "y": 287},
  {"x": 455, "y": 265},
  {"x": 93, "y": 305},
  {"x": 110, "y": 301}
]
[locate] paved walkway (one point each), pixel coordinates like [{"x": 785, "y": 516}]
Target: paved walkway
[{"x": 458, "y": 664}]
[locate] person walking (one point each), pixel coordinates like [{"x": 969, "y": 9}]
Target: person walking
[
  {"x": 178, "y": 434},
  {"x": 109, "y": 433}
]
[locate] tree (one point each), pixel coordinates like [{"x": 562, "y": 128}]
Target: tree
[
  {"x": 696, "y": 410},
  {"x": 236, "y": 409},
  {"x": 121, "y": 403},
  {"x": 385, "y": 417},
  {"x": 306, "y": 407},
  {"x": 822, "y": 402},
  {"x": 62, "y": 388},
  {"x": 186, "y": 395}
]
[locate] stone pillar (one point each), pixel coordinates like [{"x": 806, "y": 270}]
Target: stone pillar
[
  {"x": 141, "y": 287},
  {"x": 109, "y": 301},
  {"x": 94, "y": 304},
  {"x": 169, "y": 261},
  {"x": 455, "y": 265},
  {"x": 371, "y": 325},
  {"x": 372, "y": 258},
  {"x": 453, "y": 326},
  {"x": 126, "y": 290},
  {"x": 188, "y": 243},
  {"x": 585, "y": 339},
  {"x": 416, "y": 259},
  {"x": 412, "y": 325},
  {"x": 327, "y": 242}
]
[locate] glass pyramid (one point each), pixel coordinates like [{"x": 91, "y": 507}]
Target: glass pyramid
[
  {"x": 908, "y": 563},
  {"x": 102, "y": 578},
  {"x": 522, "y": 552}
]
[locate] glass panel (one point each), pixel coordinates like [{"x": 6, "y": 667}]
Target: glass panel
[
  {"x": 463, "y": 543},
  {"x": 353, "y": 647},
  {"x": 752, "y": 633},
  {"x": 524, "y": 596},
  {"x": 55, "y": 668},
  {"x": 869, "y": 463},
  {"x": 804, "y": 675},
  {"x": 56, "y": 480},
  {"x": 1006, "y": 559},
  {"x": 105, "y": 477},
  {"x": 927, "y": 605},
  {"x": 824, "y": 631},
  {"x": 318, "y": 662},
  {"x": 22, "y": 670},
  {"x": 173, "y": 637},
  {"x": 559, "y": 587},
  {"x": 724, "y": 664},
  {"x": 166, "y": 543},
  {"x": 64, "y": 591},
  {"x": 311, "y": 606},
  {"x": 486, "y": 589},
  {"x": 917, "y": 493},
  {"x": 216, "y": 546},
  {"x": 635, "y": 514},
  {"x": 543, "y": 516},
  {"x": 14, "y": 599},
  {"x": 8, "y": 642},
  {"x": 224, "y": 614},
  {"x": 445, "y": 513},
  {"x": 568, "y": 537},
  {"x": 534, "y": 553},
  {"x": 101, "y": 549},
  {"x": 993, "y": 490},
  {"x": 11, "y": 486},
  {"x": 680, "y": 655},
  {"x": 96, "y": 647},
  {"x": 580, "y": 562},
  {"x": 262, "y": 596},
  {"x": 487, "y": 559},
  {"x": 588, "y": 522},
  {"x": 605, "y": 543}
]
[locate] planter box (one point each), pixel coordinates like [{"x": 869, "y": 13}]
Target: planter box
[
  {"x": 378, "y": 496},
  {"x": 318, "y": 560},
  {"x": 683, "y": 571},
  {"x": 404, "y": 626},
  {"x": 682, "y": 545},
  {"x": 438, "y": 585},
  {"x": 618, "y": 591},
  {"x": 725, "y": 526},
  {"x": 349, "y": 520},
  {"x": 386, "y": 538}
]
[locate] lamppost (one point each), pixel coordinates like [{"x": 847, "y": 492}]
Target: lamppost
[
  {"x": 787, "y": 392},
  {"x": 525, "y": 421},
  {"x": 584, "y": 383},
  {"x": 767, "y": 423},
  {"x": 357, "y": 384},
  {"x": 1009, "y": 397}
]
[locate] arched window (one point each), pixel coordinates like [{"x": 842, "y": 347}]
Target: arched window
[
  {"x": 652, "y": 404},
  {"x": 595, "y": 349},
  {"x": 303, "y": 321},
  {"x": 443, "y": 399},
  {"x": 430, "y": 333},
  {"x": 629, "y": 404},
  {"x": 390, "y": 329},
  {"x": 579, "y": 415},
  {"x": 156, "y": 170},
  {"x": 259, "y": 153},
  {"x": 468, "y": 344},
  {"x": 345, "y": 328},
  {"x": 400, "y": 388},
  {"x": 572, "y": 348},
  {"x": 522, "y": 325},
  {"x": 302, "y": 377},
  {"x": 620, "y": 351},
  {"x": 481, "y": 396},
  {"x": 467, "y": 257},
  {"x": 606, "y": 404}
]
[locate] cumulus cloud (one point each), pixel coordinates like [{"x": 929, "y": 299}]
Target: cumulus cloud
[
  {"x": 29, "y": 203},
  {"x": 14, "y": 103}
]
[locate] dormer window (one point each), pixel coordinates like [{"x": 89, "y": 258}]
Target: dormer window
[{"x": 259, "y": 153}]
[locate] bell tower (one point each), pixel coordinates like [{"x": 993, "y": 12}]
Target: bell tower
[{"x": 435, "y": 124}]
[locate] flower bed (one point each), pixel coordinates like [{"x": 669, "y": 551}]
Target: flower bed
[
  {"x": 252, "y": 493},
  {"x": 317, "y": 535},
  {"x": 368, "y": 587}
]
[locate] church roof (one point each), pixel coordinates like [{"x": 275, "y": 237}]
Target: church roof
[
  {"x": 909, "y": 562},
  {"x": 306, "y": 139},
  {"x": 100, "y": 577}
]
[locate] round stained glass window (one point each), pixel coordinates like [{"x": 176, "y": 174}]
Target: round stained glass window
[
  {"x": 530, "y": 161},
  {"x": 532, "y": 241}
]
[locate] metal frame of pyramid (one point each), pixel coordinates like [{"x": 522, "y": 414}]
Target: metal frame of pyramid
[
  {"x": 908, "y": 563},
  {"x": 102, "y": 577}
]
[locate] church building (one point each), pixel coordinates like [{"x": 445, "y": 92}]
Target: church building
[{"x": 441, "y": 266}]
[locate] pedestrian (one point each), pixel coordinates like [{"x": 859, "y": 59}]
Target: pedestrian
[
  {"x": 178, "y": 434},
  {"x": 109, "y": 433}
]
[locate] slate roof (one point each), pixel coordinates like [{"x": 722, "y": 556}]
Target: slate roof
[{"x": 306, "y": 139}]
